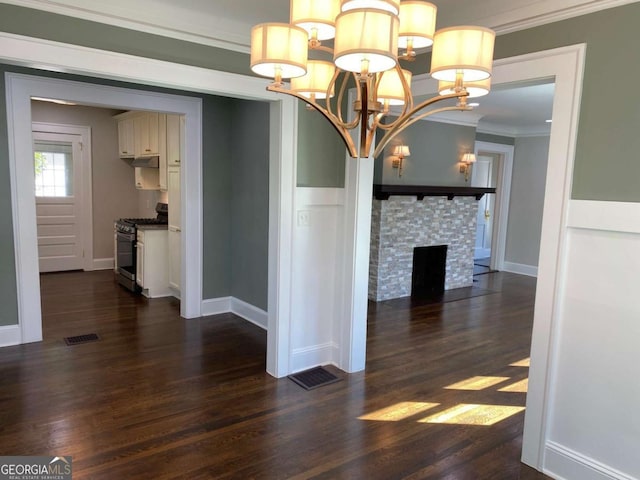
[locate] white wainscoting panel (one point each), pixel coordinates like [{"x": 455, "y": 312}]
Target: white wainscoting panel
[
  {"x": 316, "y": 276},
  {"x": 593, "y": 426},
  {"x": 309, "y": 357}
]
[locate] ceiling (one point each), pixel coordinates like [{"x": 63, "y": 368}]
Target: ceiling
[{"x": 513, "y": 110}]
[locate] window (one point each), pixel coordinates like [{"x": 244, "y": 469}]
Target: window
[{"x": 53, "y": 163}]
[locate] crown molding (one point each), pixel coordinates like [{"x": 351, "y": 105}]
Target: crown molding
[
  {"x": 214, "y": 31},
  {"x": 226, "y": 31},
  {"x": 509, "y": 131},
  {"x": 505, "y": 24}
]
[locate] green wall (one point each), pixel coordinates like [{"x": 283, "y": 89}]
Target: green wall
[
  {"x": 250, "y": 201},
  {"x": 436, "y": 150},
  {"x": 218, "y": 194},
  {"x": 606, "y": 164}
]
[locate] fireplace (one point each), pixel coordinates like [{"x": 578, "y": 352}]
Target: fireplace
[
  {"x": 429, "y": 268},
  {"x": 405, "y": 217}
]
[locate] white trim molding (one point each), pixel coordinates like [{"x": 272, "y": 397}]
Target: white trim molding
[
  {"x": 103, "y": 263},
  {"x": 10, "y": 335},
  {"x": 521, "y": 269},
  {"x": 216, "y": 306},
  {"x": 313, "y": 356},
  {"x": 244, "y": 310},
  {"x": 250, "y": 313},
  {"x": 503, "y": 197},
  {"x": 54, "y": 56},
  {"x": 563, "y": 463}
]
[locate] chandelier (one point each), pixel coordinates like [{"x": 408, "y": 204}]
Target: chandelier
[{"x": 366, "y": 37}]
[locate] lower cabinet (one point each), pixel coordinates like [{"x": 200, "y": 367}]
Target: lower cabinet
[
  {"x": 152, "y": 266},
  {"x": 174, "y": 259}
]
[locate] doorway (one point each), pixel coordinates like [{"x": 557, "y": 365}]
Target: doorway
[
  {"x": 495, "y": 162},
  {"x": 62, "y": 167}
]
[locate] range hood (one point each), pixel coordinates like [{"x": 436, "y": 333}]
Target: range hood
[{"x": 146, "y": 162}]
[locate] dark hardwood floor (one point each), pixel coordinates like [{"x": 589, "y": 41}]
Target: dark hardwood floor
[{"x": 161, "y": 397}]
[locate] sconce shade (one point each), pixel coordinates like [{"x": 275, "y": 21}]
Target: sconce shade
[
  {"x": 321, "y": 16},
  {"x": 279, "y": 48},
  {"x": 390, "y": 87},
  {"x": 392, "y": 6},
  {"x": 464, "y": 50},
  {"x": 316, "y": 81},
  {"x": 401, "y": 151},
  {"x": 468, "y": 158},
  {"x": 475, "y": 89},
  {"x": 417, "y": 24},
  {"x": 357, "y": 50}
]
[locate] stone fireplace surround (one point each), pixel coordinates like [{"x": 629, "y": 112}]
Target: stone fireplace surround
[{"x": 406, "y": 218}]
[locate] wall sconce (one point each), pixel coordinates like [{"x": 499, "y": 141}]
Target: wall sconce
[
  {"x": 399, "y": 152},
  {"x": 465, "y": 164}
]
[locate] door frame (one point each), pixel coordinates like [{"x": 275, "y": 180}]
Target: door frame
[
  {"x": 503, "y": 195},
  {"x": 86, "y": 213},
  {"x": 55, "y": 56}
]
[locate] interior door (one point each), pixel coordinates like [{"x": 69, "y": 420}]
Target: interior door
[
  {"x": 58, "y": 190},
  {"x": 482, "y": 177}
]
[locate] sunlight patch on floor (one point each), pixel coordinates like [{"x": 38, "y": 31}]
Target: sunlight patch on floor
[
  {"x": 471, "y": 414},
  {"x": 522, "y": 363},
  {"x": 519, "y": 387},
  {"x": 399, "y": 411},
  {"x": 477, "y": 383}
]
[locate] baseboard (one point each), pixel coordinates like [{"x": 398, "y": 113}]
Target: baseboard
[
  {"x": 249, "y": 312},
  {"x": 563, "y": 463},
  {"x": 10, "y": 335},
  {"x": 103, "y": 263},
  {"x": 309, "y": 357},
  {"x": 216, "y": 306},
  {"x": 521, "y": 269}
]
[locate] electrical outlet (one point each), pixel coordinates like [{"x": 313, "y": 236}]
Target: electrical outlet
[{"x": 303, "y": 218}]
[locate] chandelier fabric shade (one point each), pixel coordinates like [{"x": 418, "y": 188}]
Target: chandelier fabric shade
[
  {"x": 474, "y": 89},
  {"x": 366, "y": 36},
  {"x": 391, "y": 6},
  {"x": 357, "y": 50},
  {"x": 317, "y": 18},
  {"x": 417, "y": 24},
  {"x": 316, "y": 82},
  {"x": 465, "y": 51},
  {"x": 390, "y": 88},
  {"x": 279, "y": 50}
]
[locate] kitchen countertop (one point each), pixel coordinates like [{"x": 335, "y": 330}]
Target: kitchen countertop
[{"x": 152, "y": 227}]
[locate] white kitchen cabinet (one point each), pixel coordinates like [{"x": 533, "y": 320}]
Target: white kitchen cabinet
[
  {"x": 162, "y": 148},
  {"x": 147, "y": 178},
  {"x": 126, "y": 144},
  {"x": 174, "y": 139},
  {"x": 175, "y": 244},
  {"x": 146, "y": 130},
  {"x": 173, "y": 196},
  {"x": 175, "y": 227},
  {"x": 152, "y": 268}
]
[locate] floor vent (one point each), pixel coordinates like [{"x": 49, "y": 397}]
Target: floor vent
[
  {"x": 78, "y": 339},
  {"x": 314, "y": 378}
]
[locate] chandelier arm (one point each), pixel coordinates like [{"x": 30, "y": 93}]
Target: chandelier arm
[
  {"x": 364, "y": 117},
  {"x": 329, "y": 109},
  {"x": 342, "y": 131},
  {"x": 343, "y": 87},
  {"x": 408, "y": 121}
]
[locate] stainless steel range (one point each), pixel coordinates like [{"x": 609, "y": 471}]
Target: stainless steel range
[{"x": 126, "y": 230}]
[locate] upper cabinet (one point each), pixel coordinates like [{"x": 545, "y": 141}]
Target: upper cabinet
[
  {"x": 126, "y": 144},
  {"x": 146, "y": 134},
  {"x": 173, "y": 140}
]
